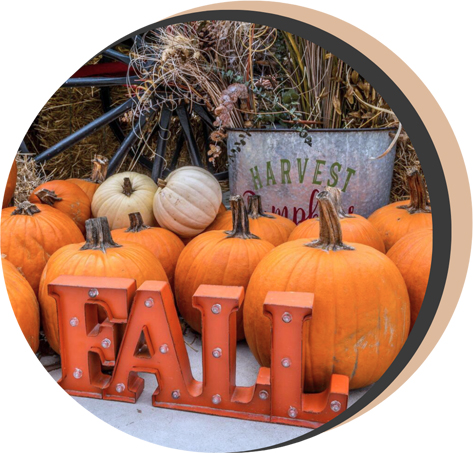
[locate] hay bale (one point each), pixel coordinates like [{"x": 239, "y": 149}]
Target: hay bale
[
  {"x": 68, "y": 110},
  {"x": 29, "y": 176}
]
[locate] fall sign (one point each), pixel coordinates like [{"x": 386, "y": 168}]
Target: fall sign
[{"x": 107, "y": 322}]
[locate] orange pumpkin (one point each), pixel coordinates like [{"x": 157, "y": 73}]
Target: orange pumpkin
[
  {"x": 221, "y": 209},
  {"x": 360, "y": 318},
  {"x": 97, "y": 177},
  {"x": 66, "y": 197},
  {"x": 31, "y": 234},
  {"x": 24, "y": 303},
  {"x": 412, "y": 254},
  {"x": 355, "y": 228},
  {"x": 398, "y": 219},
  {"x": 269, "y": 227},
  {"x": 11, "y": 185},
  {"x": 218, "y": 258},
  {"x": 99, "y": 256},
  {"x": 164, "y": 244}
]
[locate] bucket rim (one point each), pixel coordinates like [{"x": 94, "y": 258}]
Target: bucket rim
[{"x": 364, "y": 129}]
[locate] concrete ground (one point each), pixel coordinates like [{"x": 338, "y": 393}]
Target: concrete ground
[{"x": 191, "y": 431}]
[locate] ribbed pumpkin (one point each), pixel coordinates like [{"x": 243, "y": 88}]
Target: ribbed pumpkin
[
  {"x": 398, "y": 219},
  {"x": 360, "y": 317},
  {"x": 412, "y": 254},
  {"x": 122, "y": 194},
  {"x": 24, "y": 303},
  {"x": 97, "y": 177},
  {"x": 355, "y": 228},
  {"x": 66, "y": 197},
  {"x": 10, "y": 187},
  {"x": 100, "y": 256},
  {"x": 32, "y": 233},
  {"x": 218, "y": 258},
  {"x": 164, "y": 244},
  {"x": 269, "y": 227},
  {"x": 187, "y": 201}
]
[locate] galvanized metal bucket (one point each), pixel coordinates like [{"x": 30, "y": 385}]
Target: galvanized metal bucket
[{"x": 280, "y": 166}]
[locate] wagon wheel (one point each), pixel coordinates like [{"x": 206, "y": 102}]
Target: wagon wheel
[{"x": 114, "y": 70}]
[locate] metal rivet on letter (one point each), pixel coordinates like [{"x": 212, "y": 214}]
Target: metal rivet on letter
[
  {"x": 216, "y": 399},
  {"x": 74, "y": 322},
  {"x": 94, "y": 292},
  {"x": 176, "y": 394},
  {"x": 164, "y": 349},
  {"x": 217, "y": 353},
  {"x": 216, "y": 309},
  {"x": 264, "y": 395},
  {"x": 287, "y": 317},
  {"x": 120, "y": 388},
  {"x": 149, "y": 302},
  {"x": 292, "y": 412},
  {"x": 335, "y": 406},
  {"x": 106, "y": 343},
  {"x": 77, "y": 373},
  {"x": 286, "y": 363}
]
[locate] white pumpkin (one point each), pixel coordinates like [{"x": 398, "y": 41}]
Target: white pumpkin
[
  {"x": 122, "y": 194},
  {"x": 187, "y": 201}
]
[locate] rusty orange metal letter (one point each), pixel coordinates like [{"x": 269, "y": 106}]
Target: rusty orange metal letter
[{"x": 92, "y": 312}]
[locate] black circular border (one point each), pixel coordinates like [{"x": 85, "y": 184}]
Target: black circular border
[{"x": 430, "y": 165}]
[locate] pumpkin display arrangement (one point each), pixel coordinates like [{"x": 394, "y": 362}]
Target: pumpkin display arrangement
[
  {"x": 226, "y": 258},
  {"x": 98, "y": 256},
  {"x": 368, "y": 276},
  {"x": 361, "y": 313}
]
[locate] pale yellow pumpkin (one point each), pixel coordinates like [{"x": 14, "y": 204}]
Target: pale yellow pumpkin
[
  {"x": 187, "y": 201},
  {"x": 122, "y": 194}
]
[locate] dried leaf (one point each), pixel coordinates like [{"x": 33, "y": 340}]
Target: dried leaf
[
  {"x": 337, "y": 105},
  {"x": 217, "y": 136},
  {"x": 354, "y": 77},
  {"x": 228, "y": 99}
]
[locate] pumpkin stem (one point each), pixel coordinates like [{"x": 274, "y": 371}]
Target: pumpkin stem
[
  {"x": 241, "y": 224},
  {"x": 99, "y": 169},
  {"x": 98, "y": 235},
  {"x": 419, "y": 201},
  {"x": 330, "y": 236},
  {"x": 255, "y": 208},
  {"x": 336, "y": 197},
  {"x": 161, "y": 183},
  {"x": 48, "y": 197},
  {"x": 136, "y": 223},
  {"x": 127, "y": 187},
  {"x": 26, "y": 208}
]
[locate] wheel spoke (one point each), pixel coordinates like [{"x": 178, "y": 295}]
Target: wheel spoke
[
  {"x": 127, "y": 144},
  {"x": 85, "y": 131},
  {"x": 161, "y": 144},
  {"x": 177, "y": 151},
  {"x": 101, "y": 81},
  {"x": 191, "y": 143},
  {"x": 23, "y": 148},
  {"x": 116, "y": 55},
  {"x": 203, "y": 113}
]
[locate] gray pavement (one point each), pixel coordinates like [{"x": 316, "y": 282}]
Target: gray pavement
[{"x": 191, "y": 431}]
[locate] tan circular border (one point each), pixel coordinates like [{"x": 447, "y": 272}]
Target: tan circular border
[{"x": 443, "y": 138}]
